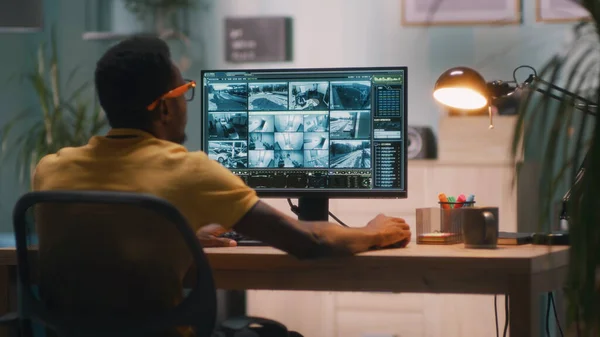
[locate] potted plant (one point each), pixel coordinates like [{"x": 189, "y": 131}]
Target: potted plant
[
  {"x": 162, "y": 14},
  {"x": 559, "y": 136},
  {"x": 60, "y": 117},
  {"x": 167, "y": 19}
]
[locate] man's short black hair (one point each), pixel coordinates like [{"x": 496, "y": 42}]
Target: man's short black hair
[{"x": 130, "y": 76}]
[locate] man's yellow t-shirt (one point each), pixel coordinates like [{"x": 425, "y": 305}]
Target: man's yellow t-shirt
[{"x": 131, "y": 160}]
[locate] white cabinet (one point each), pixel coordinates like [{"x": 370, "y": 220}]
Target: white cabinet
[{"x": 325, "y": 314}]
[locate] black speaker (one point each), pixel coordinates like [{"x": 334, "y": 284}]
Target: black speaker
[{"x": 421, "y": 143}]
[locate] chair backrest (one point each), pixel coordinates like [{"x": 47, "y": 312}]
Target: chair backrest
[{"x": 110, "y": 264}]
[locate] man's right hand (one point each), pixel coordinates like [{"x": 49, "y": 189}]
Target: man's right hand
[
  {"x": 390, "y": 230},
  {"x": 312, "y": 239}
]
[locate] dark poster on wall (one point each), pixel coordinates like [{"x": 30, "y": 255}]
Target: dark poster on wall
[
  {"x": 261, "y": 39},
  {"x": 21, "y": 15}
]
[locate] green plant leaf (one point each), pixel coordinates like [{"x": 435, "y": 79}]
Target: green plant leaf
[
  {"x": 558, "y": 135},
  {"x": 61, "y": 118}
]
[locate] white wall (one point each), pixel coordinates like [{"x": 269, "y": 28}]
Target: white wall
[{"x": 348, "y": 33}]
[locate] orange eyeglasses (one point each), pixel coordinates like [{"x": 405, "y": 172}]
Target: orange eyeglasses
[{"x": 186, "y": 89}]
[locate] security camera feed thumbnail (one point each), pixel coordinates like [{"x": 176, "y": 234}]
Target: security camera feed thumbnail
[
  {"x": 316, "y": 158},
  {"x": 267, "y": 96},
  {"x": 351, "y": 95},
  {"x": 261, "y": 159},
  {"x": 289, "y": 140},
  {"x": 316, "y": 141},
  {"x": 261, "y": 141},
  {"x": 289, "y": 159},
  {"x": 355, "y": 154},
  {"x": 316, "y": 122},
  {"x": 222, "y": 126},
  {"x": 231, "y": 154},
  {"x": 350, "y": 124},
  {"x": 289, "y": 123},
  {"x": 228, "y": 97},
  {"x": 309, "y": 96},
  {"x": 261, "y": 123}
]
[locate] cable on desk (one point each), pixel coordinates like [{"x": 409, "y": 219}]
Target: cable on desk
[
  {"x": 506, "y": 314},
  {"x": 295, "y": 210},
  {"x": 548, "y": 317},
  {"x": 496, "y": 314},
  {"x": 338, "y": 220},
  {"x": 551, "y": 302}
]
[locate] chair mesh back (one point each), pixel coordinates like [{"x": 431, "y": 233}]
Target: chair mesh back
[
  {"x": 109, "y": 259},
  {"x": 100, "y": 262}
]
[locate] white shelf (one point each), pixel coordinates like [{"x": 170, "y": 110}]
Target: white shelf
[
  {"x": 100, "y": 36},
  {"x": 113, "y": 36}
]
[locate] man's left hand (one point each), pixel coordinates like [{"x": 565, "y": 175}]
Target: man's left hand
[{"x": 209, "y": 237}]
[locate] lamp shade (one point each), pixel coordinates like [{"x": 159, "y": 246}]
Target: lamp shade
[{"x": 461, "y": 88}]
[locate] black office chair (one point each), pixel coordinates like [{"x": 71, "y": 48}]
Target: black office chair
[
  {"x": 94, "y": 248},
  {"x": 90, "y": 262}
]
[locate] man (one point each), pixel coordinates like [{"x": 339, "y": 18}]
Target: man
[
  {"x": 143, "y": 152},
  {"x": 144, "y": 97}
]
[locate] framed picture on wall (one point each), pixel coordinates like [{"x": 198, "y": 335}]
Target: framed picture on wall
[
  {"x": 460, "y": 12},
  {"x": 560, "y": 11}
]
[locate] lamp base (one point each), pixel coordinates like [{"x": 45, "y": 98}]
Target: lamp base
[{"x": 557, "y": 238}]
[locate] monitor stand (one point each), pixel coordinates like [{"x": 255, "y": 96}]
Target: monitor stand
[{"x": 313, "y": 209}]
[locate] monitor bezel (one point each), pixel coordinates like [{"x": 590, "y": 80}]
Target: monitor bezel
[{"x": 349, "y": 194}]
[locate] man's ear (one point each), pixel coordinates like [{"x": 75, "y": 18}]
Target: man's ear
[{"x": 165, "y": 111}]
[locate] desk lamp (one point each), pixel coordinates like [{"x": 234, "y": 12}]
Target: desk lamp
[{"x": 464, "y": 88}]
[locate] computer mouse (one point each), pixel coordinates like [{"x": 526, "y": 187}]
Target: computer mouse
[{"x": 400, "y": 244}]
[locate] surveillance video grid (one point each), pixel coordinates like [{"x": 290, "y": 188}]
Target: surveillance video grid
[
  {"x": 228, "y": 97},
  {"x": 267, "y": 96},
  {"x": 316, "y": 158},
  {"x": 350, "y": 124},
  {"x": 231, "y": 154},
  {"x": 261, "y": 123},
  {"x": 355, "y": 154},
  {"x": 316, "y": 141},
  {"x": 228, "y": 125},
  {"x": 261, "y": 159},
  {"x": 289, "y": 123},
  {"x": 289, "y": 140},
  {"x": 309, "y": 96},
  {"x": 316, "y": 122},
  {"x": 289, "y": 159},
  {"x": 333, "y": 131},
  {"x": 351, "y": 95},
  {"x": 261, "y": 141}
]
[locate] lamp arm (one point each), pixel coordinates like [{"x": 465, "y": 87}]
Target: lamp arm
[
  {"x": 586, "y": 107},
  {"x": 564, "y": 215}
]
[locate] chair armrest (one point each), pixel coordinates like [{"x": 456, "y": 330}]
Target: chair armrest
[
  {"x": 245, "y": 324},
  {"x": 9, "y": 319}
]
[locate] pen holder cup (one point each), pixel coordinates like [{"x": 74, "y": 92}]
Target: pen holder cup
[{"x": 440, "y": 225}]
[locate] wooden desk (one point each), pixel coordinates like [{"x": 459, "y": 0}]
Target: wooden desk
[{"x": 522, "y": 272}]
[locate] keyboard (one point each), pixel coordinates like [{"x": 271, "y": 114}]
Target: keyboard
[{"x": 242, "y": 240}]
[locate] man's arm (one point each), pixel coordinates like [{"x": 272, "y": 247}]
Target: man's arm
[{"x": 312, "y": 239}]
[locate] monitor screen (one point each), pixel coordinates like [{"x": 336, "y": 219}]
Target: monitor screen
[{"x": 301, "y": 132}]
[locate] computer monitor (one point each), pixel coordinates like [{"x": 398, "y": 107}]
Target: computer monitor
[{"x": 311, "y": 134}]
